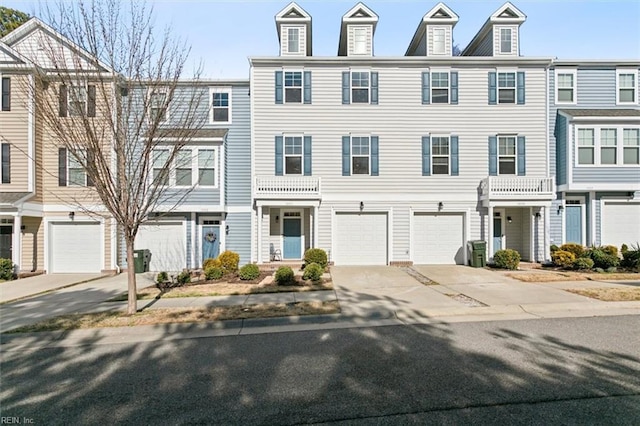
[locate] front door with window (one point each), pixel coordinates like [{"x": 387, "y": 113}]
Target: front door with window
[
  {"x": 210, "y": 241},
  {"x": 573, "y": 224},
  {"x": 6, "y": 236},
  {"x": 497, "y": 233},
  {"x": 292, "y": 238}
]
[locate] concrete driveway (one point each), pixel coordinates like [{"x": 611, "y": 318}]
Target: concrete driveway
[{"x": 25, "y": 287}]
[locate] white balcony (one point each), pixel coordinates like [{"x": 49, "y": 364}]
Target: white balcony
[
  {"x": 517, "y": 188},
  {"x": 287, "y": 187}
]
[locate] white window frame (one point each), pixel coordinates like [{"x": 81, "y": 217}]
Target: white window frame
[
  {"x": 574, "y": 89},
  {"x": 217, "y": 90},
  {"x": 607, "y": 146},
  {"x": 633, "y": 72},
  {"x": 514, "y": 88},
  {"x": 440, "y": 31},
  {"x": 71, "y": 99},
  {"x": 353, "y": 156},
  {"x": 352, "y": 88},
  {"x": 285, "y": 155},
  {"x": 432, "y": 87},
  {"x": 597, "y": 145},
  {"x": 503, "y": 31},
  {"x": 195, "y": 166},
  {"x": 433, "y": 155},
  {"x": 298, "y": 31},
  {"x": 635, "y": 147},
  {"x": 70, "y": 182},
  {"x": 150, "y": 93},
  {"x": 285, "y": 87},
  {"x": 515, "y": 155},
  {"x": 360, "y": 46}
]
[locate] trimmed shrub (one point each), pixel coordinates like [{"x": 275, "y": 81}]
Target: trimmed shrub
[
  {"x": 612, "y": 250},
  {"x": 249, "y": 272},
  {"x": 582, "y": 263},
  {"x": 313, "y": 272},
  {"x": 577, "y": 249},
  {"x": 6, "y": 269},
  {"x": 611, "y": 270},
  {"x": 184, "y": 277},
  {"x": 631, "y": 258},
  {"x": 284, "y": 276},
  {"x": 211, "y": 262},
  {"x": 507, "y": 259},
  {"x": 602, "y": 259},
  {"x": 162, "y": 277},
  {"x": 213, "y": 273},
  {"x": 563, "y": 258},
  {"x": 316, "y": 255},
  {"x": 229, "y": 261},
  {"x": 624, "y": 248},
  {"x": 598, "y": 270},
  {"x": 554, "y": 248}
]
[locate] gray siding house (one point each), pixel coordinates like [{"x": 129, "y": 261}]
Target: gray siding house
[
  {"x": 594, "y": 126},
  {"x": 400, "y": 160},
  {"x": 207, "y": 208}
]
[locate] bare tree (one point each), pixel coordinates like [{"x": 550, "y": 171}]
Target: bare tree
[{"x": 120, "y": 112}]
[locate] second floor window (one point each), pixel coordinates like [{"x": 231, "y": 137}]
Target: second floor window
[
  {"x": 360, "y": 87},
  {"x": 158, "y": 106},
  {"x": 220, "y": 107},
  {"x": 505, "y": 40},
  {"x": 360, "y": 155},
  {"x": 627, "y": 84},
  {"x": 184, "y": 167},
  {"x": 293, "y": 155},
  {"x": 617, "y": 146},
  {"x": 160, "y": 166},
  {"x": 191, "y": 166},
  {"x": 440, "y": 155},
  {"x": 608, "y": 142},
  {"x": 507, "y": 155},
  {"x": 586, "y": 146},
  {"x": 507, "y": 88},
  {"x": 76, "y": 175},
  {"x": 440, "y": 87},
  {"x": 206, "y": 167},
  {"x": 293, "y": 87},
  {"x": 631, "y": 146},
  {"x": 77, "y": 100}
]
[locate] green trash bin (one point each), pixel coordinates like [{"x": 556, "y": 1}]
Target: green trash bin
[
  {"x": 138, "y": 261},
  {"x": 478, "y": 250}
]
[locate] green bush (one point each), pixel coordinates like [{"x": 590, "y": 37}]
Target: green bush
[
  {"x": 316, "y": 255},
  {"x": 582, "y": 263},
  {"x": 602, "y": 259},
  {"x": 284, "y": 276},
  {"x": 624, "y": 248},
  {"x": 598, "y": 270},
  {"x": 313, "y": 272},
  {"x": 611, "y": 270},
  {"x": 612, "y": 250},
  {"x": 6, "y": 270},
  {"x": 563, "y": 258},
  {"x": 208, "y": 263},
  {"x": 249, "y": 272},
  {"x": 554, "y": 248},
  {"x": 631, "y": 258},
  {"x": 507, "y": 259},
  {"x": 577, "y": 249},
  {"x": 229, "y": 261},
  {"x": 162, "y": 277},
  {"x": 184, "y": 277},
  {"x": 213, "y": 273}
]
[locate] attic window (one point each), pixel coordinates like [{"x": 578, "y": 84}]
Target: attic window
[
  {"x": 438, "y": 41},
  {"x": 505, "y": 40},
  {"x": 359, "y": 41},
  {"x": 293, "y": 37}
]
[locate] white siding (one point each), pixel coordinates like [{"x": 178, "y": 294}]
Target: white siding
[
  {"x": 284, "y": 40},
  {"x": 447, "y": 40},
  {"x": 351, "y": 40},
  {"x": 514, "y": 40}
]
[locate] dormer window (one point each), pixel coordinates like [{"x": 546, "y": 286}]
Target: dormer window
[
  {"x": 505, "y": 40},
  {"x": 360, "y": 41},
  {"x": 293, "y": 37},
  {"x": 438, "y": 41}
]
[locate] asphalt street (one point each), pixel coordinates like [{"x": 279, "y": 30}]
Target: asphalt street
[{"x": 547, "y": 371}]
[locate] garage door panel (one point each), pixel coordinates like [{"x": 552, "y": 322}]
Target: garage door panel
[
  {"x": 438, "y": 238},
  {"x": 621, "y": 224},
  {"x": 76, "y": 247},
  {"x": 166, "y": 241},
  {"x": 361, "y": 239}
]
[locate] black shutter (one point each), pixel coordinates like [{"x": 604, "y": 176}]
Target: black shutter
[
  {"x": 62, "y": 101},
  {"x": 6, "y": 163},
  {"x": 62, "y": 166},
  {"x": 90, "y": 159},
  {"x": 91, "y": 101},
  {"x": 6, "y": 94}
]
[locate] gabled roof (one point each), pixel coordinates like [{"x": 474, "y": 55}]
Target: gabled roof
[
  {"x": 439, "y": 14},
  {"x": 33, "y": 25},
  {"x": 294, "y": 14},
  {"x": 10, "y": 58},
  {"x": 506, "y": 14},
  {"x": 358, "y": 14}
]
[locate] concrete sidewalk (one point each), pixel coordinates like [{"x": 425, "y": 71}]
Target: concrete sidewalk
[{"x": 27, "y": 287}]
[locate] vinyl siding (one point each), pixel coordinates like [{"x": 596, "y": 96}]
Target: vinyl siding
[
  {"x": 421, "y": 47},
  {"x": 485, "y": 48},
  {"x": 514, "y": 40},
  {"x": 351, "y": 40},
  {"x": 14, "y": 129},
  {"x": 32, "y": 244},
  {"x": 447, "y": 40},
  {"x": 239, "y": 237},
  {"x": 555, "y": 221},
  {"x": 238, "y": 150},
  {"x": 284, "y": 40}
]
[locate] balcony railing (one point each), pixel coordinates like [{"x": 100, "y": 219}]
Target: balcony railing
[
  {"x": 287, "y": 187},
  {"x": 517, "y": 187}
]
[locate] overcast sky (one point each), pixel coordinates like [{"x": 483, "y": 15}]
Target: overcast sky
[{"x": 224, "y": 33}]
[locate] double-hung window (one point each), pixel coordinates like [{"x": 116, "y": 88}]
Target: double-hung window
[
  {"x": 184, "y": 167},
  {"x": 565, "y": 87},
  {"x": 359, "y": 41},
  {"x": 158, "y": 106},
  {"x": 76, "y": 173},
  {"x": 293, "y": 87},
  {"x": 507, "y": 155},
  {"x": 586, "y": 146},
  {"x": 293, "y": 155},
  {"x": 77, "y": 100},
  {"x": 293, "y": 40},
  {"x": 505, "y": 40},
  {"x": 440, "y": 87},
  {"x": 608, "y": 143},
  {"x": 360, "y": 155},
  {"x": 631, "y": 146},
  {"x": 220, "y": 105},
  {"x": 190, "y": 166},
  {"x": 627, "y": 87},
  {"x": 440, "y": 155},
  {"x": 360, "y": 87},
  {"x": 506, "y": 87},
  {"x": 206, "y": 167},
  {"x": 439, "y": 41},
  {"x": 161, "y": 167}
]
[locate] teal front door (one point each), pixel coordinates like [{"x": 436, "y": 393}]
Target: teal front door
[
  {"x": 573, "y": 232},
  {"x": 292, "y": 235},
  {"x": 210, "y": 241}
]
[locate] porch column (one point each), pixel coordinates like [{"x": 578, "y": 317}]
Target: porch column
[
  {"x": 532, "y": 239},
  {"x": 16, "y": 249},
  {"x": 547, "y": 236},
  {"x": 259, "y": 234},
  {"x": 490, "y": 232},
  {"x": 316, "y": 226}
]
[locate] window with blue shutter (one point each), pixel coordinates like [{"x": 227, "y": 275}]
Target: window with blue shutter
[
  {"x": 454, "y": 156},
  {"x": 493, "y": 95},
  {"x": 454, "y": 87},
  {"x": 307, "y": 87},
  {"x": 374, "y": 156},
  {"x": 426, "y": 156},
  {"x": 279, "y": 159},
  {"x": 493, "y": 156},
  {"x": 307, "y": 155},
  {"x": 278, "y": 84},
  {"x": 346, "y": 155},
  {"x": 346, "y": 87},
  {"x": 374, "y": 88},
  {"x": 425, "y": 88},
  {"x": 6, "y": 163},
  {"x": 520, "y": 87},
  {"x": 522, "y": 163}
]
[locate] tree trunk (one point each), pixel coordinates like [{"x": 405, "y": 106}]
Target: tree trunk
[{"x": 132, "y": 305}]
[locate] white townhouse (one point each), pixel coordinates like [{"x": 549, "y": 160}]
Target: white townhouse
[{"x": 404, "y": 159}]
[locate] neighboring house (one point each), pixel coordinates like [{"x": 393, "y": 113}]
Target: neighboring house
[
  {"x": 400, "y": 160},
  {"x": 207, "y": 208},
  {"x": 594, "y": 123},
  {"x": 45, "y": 193}
]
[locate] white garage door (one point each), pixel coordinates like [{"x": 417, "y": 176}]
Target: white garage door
[
  {"x": 75, "y": 247},
  {"x": 166, "y": 241},
  {"x": 438, "y": 238},
  {"x": 621, "y": 224},
  {"x": 360, "y": 239}
]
